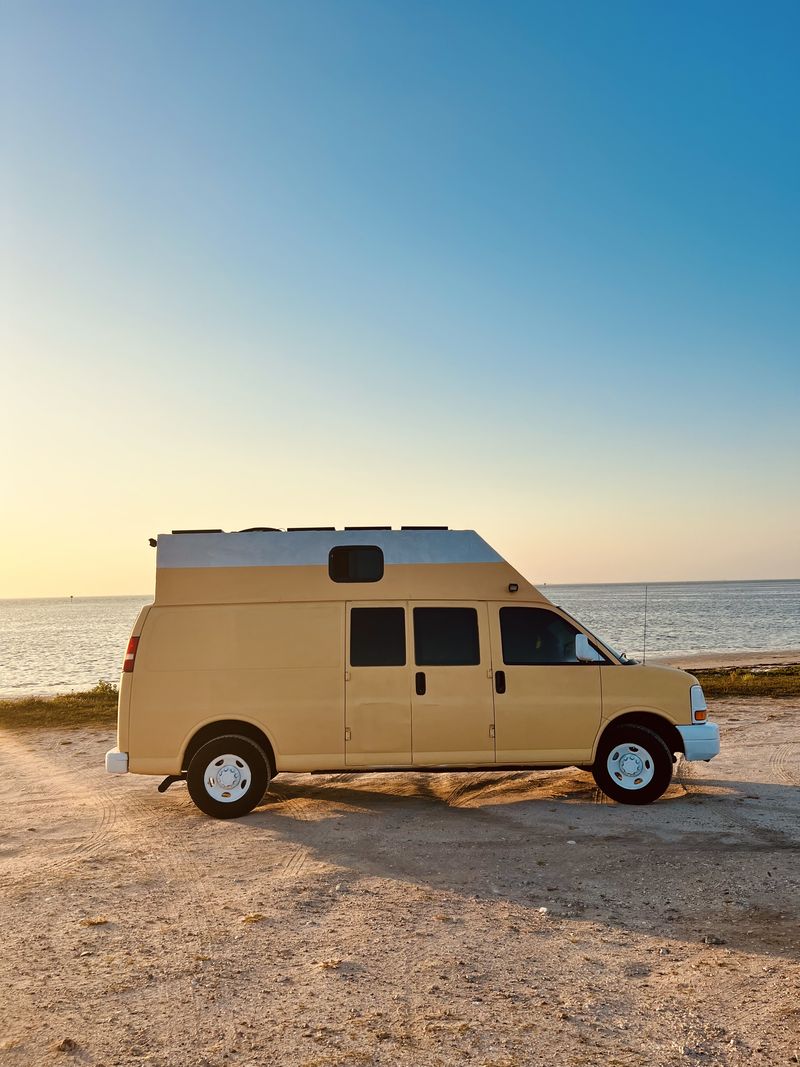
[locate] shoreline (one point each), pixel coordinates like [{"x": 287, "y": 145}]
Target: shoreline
[
  {"x": 697, "y": 661},
  {"x": 728, "y": 660}
]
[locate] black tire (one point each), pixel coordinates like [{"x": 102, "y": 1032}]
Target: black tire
[
  {"x": 638, "y": 743},
  {"x": 249, "y": 762}
]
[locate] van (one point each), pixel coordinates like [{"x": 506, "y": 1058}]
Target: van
[{"x": 377, "y": 649}]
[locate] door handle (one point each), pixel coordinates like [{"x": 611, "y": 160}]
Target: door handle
[
  {"x": 500, "y": 681},
  {"x": 420, "y": 683}
]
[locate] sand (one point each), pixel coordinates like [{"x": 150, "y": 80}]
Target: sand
[
  {"x": 711, "y": 660},
  {"x": 494, "y": 919}
]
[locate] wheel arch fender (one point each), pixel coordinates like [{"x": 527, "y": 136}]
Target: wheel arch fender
[
  {"x": 659, "y": 724},
  {"x": 219, "y": 727}
]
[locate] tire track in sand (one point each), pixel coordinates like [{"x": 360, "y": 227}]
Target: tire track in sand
[
  {"x": 130, "y": 825},
  {"x": 784, "y": 762},
  {"x": 50, "y": 786},
  {"x": 296, "y": 808}
]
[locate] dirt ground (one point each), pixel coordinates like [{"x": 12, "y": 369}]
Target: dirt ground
[{"x": 492, "y": 919}]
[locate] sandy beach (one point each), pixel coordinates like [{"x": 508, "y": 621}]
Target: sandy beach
[
  {"x": 721, "y": 660},
  {"x": 497, "y": 919}
]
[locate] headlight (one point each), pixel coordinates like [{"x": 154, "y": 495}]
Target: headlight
[{"x": 699, "y": 709}]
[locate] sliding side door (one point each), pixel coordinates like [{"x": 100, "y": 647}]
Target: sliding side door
[
  {"x": 452, "y": 699},
  {"x": 377, "y": 686}
]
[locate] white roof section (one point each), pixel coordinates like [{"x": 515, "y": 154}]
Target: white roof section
[{"x": 304, "y": 548}]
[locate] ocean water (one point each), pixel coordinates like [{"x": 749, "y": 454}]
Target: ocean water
[
  {"x": 687, "y": 618},
  {"x": 51, "y": 646}
]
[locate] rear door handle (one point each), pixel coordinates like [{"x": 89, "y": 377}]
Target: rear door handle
[
  {"x": 500, "y": 681},
  {"x": 420, "y": 683}
]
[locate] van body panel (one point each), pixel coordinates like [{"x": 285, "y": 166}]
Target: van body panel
[
  {"x": 276, "y": 666},
  {"x": 378, "y": 704},
  {"x": 253, "y": 585},
  {"x": 637, "y": 687},
  {"x": 126, "y": 688},
  {"x": 123, "y": 712},
  {"x": 236, "y": 637},
  {"x": 453, "y": 720},
  {"x": 548, "y": 714}
]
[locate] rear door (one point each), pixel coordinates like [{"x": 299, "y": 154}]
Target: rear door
[
  {"x": 377, "y": 686},
  {"x": 452, "y": 701},
  {"x": 547, "y": 705}
]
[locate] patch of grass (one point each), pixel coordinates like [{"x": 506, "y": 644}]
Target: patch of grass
[
  {"x": 779, "y": 681},
  {"x": 94, "y": 707}
]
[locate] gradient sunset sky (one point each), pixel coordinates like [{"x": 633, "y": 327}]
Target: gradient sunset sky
[{"x": 528, "y": 268}]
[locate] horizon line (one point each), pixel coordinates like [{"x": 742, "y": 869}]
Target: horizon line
[{"x": 537, "y": 585}]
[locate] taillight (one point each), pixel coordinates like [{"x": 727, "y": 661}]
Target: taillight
[{"x": 130, "y": 656}]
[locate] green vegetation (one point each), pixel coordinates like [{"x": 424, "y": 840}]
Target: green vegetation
[
  {"x": 781, "y": 681},
  {"x": 95, "y": 707}
]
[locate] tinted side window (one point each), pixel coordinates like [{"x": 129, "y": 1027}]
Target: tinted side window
[
  {"x": 446, "y": 637},
  {"x": 355, "y": 563},
  {"x": 377, "y": 637},
  {"x": 535, "y": 635}
]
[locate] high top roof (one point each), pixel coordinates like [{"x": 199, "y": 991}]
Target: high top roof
[
  {"x": 272, "y": 566},
  {"x": 278, "y": 548}
]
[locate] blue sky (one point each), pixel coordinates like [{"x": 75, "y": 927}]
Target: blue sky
[{"x": 528, "y": 268}]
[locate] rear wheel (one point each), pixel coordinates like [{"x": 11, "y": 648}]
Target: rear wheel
[
  {"x": 633, "y": 764},
  {"x": 228, "y": 776}
]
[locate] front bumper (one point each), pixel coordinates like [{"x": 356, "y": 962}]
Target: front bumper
[
  {"x": 116, "y": 761},
  {"x": 700, "y": 741}
]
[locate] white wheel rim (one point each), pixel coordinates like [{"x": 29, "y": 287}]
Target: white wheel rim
[
  {"x": 227, "y": 778},
  {"x": 630, "y": 766}
]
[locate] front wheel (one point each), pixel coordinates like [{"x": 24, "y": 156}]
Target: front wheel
[
  {"x": 633, "y": 764},
  {"x": 228, "y": 776}
]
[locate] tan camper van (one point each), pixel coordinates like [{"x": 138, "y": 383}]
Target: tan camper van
[{"x": 364, "y": 649}]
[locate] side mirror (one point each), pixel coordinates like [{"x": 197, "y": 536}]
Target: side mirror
[{"x": 584, "y": 653}]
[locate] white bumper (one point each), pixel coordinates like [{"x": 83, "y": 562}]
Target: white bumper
[
  {"x": 700, "y": 741},
  {"x": 116, "y": 761}
]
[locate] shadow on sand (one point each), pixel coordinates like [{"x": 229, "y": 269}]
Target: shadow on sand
[{"x": 713, "y": 859}]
